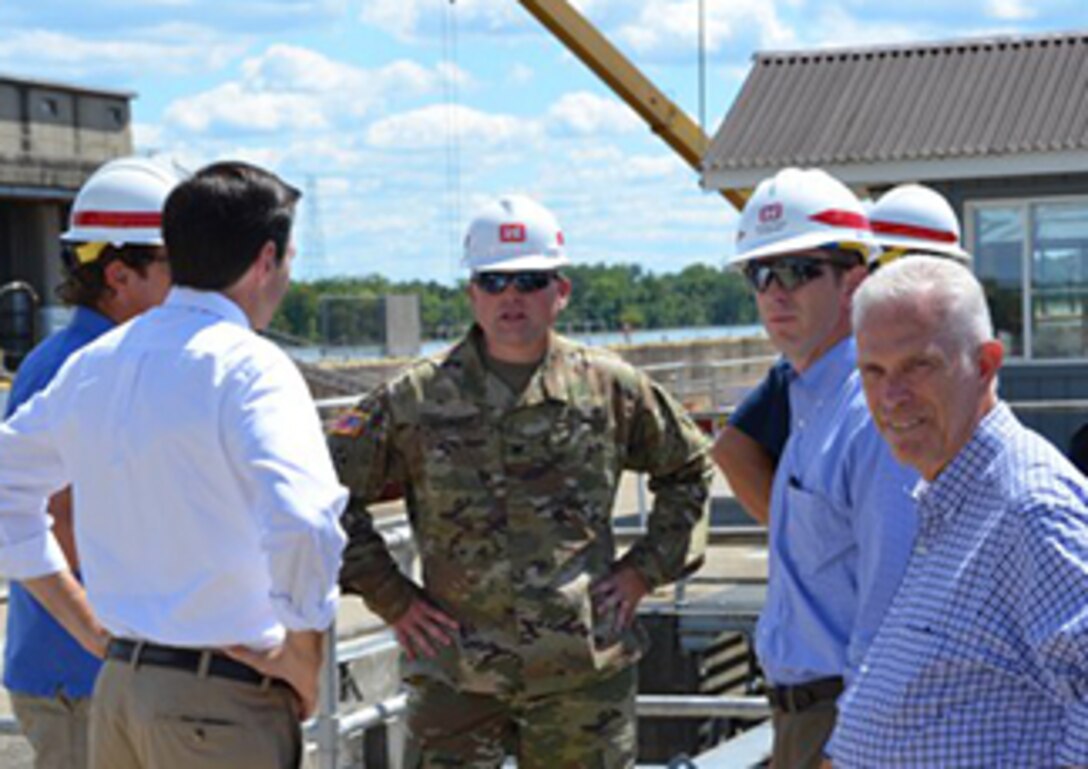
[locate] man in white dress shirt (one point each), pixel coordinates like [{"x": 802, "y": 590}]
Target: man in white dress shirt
[{"x": 208, "y": 507}]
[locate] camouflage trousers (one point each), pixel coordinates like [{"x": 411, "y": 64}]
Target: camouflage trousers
[{"x": 589, "y": 728}]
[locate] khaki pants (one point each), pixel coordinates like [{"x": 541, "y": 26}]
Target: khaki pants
[
  {"x": 56, "y": 728},
  {"x": 151, "y": 717},
  {"x": 799, "y": 738},
  {"x": 589, "y": 728}
]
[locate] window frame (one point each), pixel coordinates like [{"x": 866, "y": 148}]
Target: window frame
[{"x": 1027, "y": 207}]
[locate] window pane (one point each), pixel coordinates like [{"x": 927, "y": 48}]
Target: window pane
[
  {"x": 999, "y": 248},
  {"x": 1059, "y": 280}
]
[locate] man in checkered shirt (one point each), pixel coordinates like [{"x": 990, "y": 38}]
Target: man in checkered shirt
[{"x": 982, "y": 660}]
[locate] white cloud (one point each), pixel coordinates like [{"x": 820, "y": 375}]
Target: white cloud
[
  {"x": 669, "y": 28},
  {"x": 408, "y": 19},
  {"x": 147, "y": 135},
  {"x": 287, "y": 88},
  {"x": 584, "y": 113},
  {"x": 1010, "y": 10},
  {"x": 169, "y": 49},
  {"x": 125, "y": 18},
  {"x": 429, "y": 128},
  {"x": 520, "y": 74},
  {"x": 233, "y": 108}
]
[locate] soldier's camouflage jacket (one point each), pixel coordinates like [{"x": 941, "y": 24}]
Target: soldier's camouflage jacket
[{"x": 510, "y": 498}]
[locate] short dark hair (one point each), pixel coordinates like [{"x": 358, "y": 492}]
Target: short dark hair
[
  {"x": 216, "y": 222},
  {"x": 85, "y": 284}
]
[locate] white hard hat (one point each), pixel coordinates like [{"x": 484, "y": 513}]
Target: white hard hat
[
  {"x": 512, "y": 234},
  {"x": 917, "y": 218},
  {"x": 799, "y": 209},
  {"x": 121, "y": 204}
]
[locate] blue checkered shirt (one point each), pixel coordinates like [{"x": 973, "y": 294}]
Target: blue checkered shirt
[{"x": 982, "y": 660}]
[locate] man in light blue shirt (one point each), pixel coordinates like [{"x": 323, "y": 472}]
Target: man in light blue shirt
[
  {"x": 841, "y": 516},
  {"x": 982, "y": 660}
]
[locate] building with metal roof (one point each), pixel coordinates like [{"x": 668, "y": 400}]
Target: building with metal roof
[
  {"x": 887, "y": 114},
  {"x": 999, "y": 125}
]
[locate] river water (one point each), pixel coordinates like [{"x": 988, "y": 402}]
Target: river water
[{"x": 596, "y": 338}]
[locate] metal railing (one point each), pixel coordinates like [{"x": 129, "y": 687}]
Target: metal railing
[{"x": 329, "y": 727}]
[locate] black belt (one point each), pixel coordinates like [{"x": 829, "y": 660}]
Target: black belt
[
  {"x": 199, "y": 661},
  {"x": 793, "y": 699}
]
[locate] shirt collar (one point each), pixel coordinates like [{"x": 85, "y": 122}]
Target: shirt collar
[
  {"x": 90, "y": 319},
  {"x": 829, "y": 371},
  {"x": 551, "y": 380},
  {"x": 947, "y": 492},
  {"x": 209, "y": 302}
]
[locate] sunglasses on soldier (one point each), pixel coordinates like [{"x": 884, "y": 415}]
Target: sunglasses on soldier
[
  {"x": 525, "y": 282},
  {"x": 791, "y": 272}
]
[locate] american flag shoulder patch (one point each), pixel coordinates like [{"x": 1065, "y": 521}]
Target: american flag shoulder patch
[{"x": 350, "y": 423}]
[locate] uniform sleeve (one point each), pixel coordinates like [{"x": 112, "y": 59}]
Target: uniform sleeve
[
  {"x": 275, "y": 442},
  {"x": 884, "y": 515},
  {"x": 31, "y": 470},
  {"x": 367, "y": 461},
  {"x": 666, "y": 444},
  {"x": 1052, "y": 560},
  {"x": 764, "y": 414}
]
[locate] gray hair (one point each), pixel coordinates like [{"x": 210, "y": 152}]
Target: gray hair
[{"x": 947, "y": 287}]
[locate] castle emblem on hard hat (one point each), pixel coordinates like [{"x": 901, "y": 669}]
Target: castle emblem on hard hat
[
  {"x": 512, "y": 233},
  {"x": 771, "y": 212}
]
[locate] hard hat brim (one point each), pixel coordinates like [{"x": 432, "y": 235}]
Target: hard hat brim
[
  {"x": 529, "y": 262},
  {"x": 918, "y": 245},
  {"x": 804, "y": 242}
]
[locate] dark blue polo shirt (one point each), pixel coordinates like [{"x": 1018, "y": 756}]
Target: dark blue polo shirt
[{"x": 764, "y": 414}]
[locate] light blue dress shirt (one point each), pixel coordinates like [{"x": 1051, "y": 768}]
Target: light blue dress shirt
[
  {"x": 207, "y": 507},
  {"x": 983, "y": 659},
  {"x": 841, "y": 529}
]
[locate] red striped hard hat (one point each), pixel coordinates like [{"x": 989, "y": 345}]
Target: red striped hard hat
[
  {"x": 121, "y": 204},
  {"x": 918, "y": 219},
  {"x": 801, "y": 209}
]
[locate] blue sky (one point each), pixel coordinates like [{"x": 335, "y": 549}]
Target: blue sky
[{"x": 399, "y": 117}]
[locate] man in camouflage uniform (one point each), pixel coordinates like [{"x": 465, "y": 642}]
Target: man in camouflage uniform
[{"x": 509, "y": 449}]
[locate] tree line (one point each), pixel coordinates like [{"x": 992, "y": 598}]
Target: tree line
[{"x": 604, "y": 297}]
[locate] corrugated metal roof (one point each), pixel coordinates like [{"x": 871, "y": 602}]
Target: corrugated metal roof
[{"x": 963, "y": 99}]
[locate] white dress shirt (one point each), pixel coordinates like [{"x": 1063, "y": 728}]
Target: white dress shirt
[{"x": 207, "y": 508}]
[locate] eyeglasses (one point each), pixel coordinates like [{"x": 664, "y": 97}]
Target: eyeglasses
[
  {"x": 791, "y": 272},
  {"x": 524, "y": 282}
]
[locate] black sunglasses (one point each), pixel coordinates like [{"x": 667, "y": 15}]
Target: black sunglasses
[
  {"x": 791, "y": 272},
  {"x": 524, "y": 282}
]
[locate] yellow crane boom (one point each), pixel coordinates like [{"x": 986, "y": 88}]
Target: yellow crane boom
[{"x": 664, "y": 117}]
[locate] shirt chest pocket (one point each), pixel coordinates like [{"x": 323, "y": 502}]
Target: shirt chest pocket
[
  {"x": 561, "y": 439},
  {"x": 455, "y": 450},
  {"x": 817, "y": 535}
]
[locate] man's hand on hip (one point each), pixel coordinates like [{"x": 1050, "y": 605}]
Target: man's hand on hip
[
  {"x": 297, "y": 661},
  {"x": 422, "y": 628},
  {"x": 64, "y": 598},
  {"x": 620, "y": 592}
]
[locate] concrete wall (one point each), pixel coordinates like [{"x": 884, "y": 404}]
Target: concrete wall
[
  {"x": 52, "y": 137},
  {"x": 703, "y": 374}
]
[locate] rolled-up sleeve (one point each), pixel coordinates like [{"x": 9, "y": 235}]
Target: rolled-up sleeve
[
  {"x": 31, "y": 469},
  {"x": 275, "y": 441}
]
